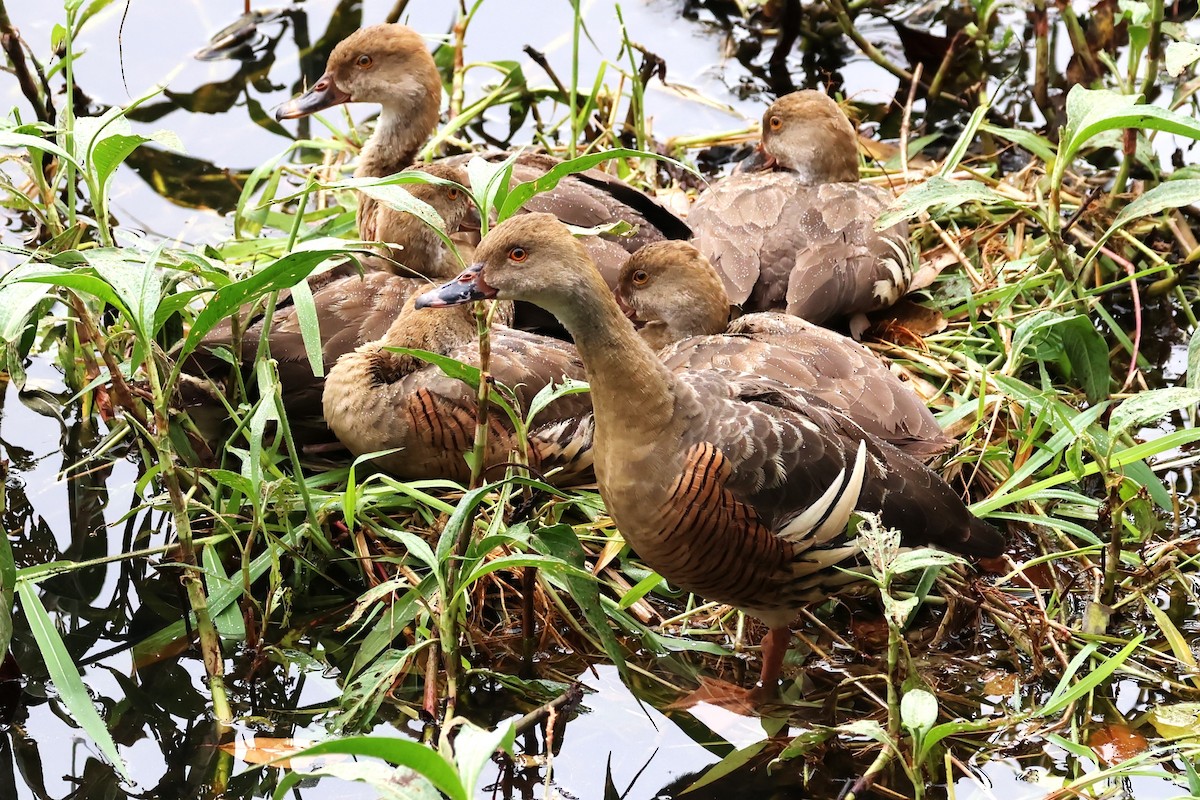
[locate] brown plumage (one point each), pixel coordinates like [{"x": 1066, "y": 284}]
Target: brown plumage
[
  {"x": 389, "y": 65},
  {"x": 376, "y": 399},
  {"x": 678, "y": 302},
  {"x": 733, "y": 486},
  {"x": 800, "y": 235},
  {"x": 351, "y": 309}
]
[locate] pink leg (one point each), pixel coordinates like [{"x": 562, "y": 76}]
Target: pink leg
[{"x": 774, "y": 648}]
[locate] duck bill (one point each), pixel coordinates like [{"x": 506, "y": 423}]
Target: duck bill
[
  {"x": 323, "y": 94},
  {"x": 466, "y": 287},
  {"x": 758, "y": 161}
]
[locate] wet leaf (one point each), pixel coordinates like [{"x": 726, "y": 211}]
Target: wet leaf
[
  {"x": 266, "y": 749},
  {"x": 1147, "y": 407},
  {"x": 1000, "y": 684},
  {"x": 1178, "y": 56},
  {"x": 1116, "y": 743},
  {"x": 389, "y": 783},
  {"x": 1179, "y": 645},
  {"x": 1176, "y": 720},
  {"x": 65, "y": 676}
]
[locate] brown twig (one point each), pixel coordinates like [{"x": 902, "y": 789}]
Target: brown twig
[{"x": 10, "y": 40}]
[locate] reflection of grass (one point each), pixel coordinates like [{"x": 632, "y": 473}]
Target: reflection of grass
[{"x": 417, "y": 592}]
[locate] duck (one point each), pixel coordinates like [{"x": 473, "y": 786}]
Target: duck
[
  {"x": 389, "y": 65},
  {"x": 356, "y": 308},
  {"x": 730, "y": 485},
  {"x": 793, "y": 229},
  {"x": 677, "y": 301},
  {"x": 376, "y": 399}
]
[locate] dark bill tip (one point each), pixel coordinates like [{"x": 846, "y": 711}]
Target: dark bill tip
[
  {"x": 757, "y": 161},
  {"x": 466, "y": 287},
  {"x": 324, "y": 94}
]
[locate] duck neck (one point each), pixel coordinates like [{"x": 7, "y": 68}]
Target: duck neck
[
  {"x": 394, "y": 144},
  {"x": 633, "y": 394}
]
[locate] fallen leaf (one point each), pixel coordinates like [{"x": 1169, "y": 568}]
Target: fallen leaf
[
  {"x": 265, "y": 749},
  {"x": 1116, "y": 743}
]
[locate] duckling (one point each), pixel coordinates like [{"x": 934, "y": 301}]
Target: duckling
[
  {"x": 731, "y": 485},
  {"x": 794, "y": 230}
]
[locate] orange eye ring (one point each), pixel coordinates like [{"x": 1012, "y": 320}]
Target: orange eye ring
[
  {"x": 364, "y": 61},
  {"x": 640, "y": 277},
  {"x": 453, "y": 193},
  {"x": 517, "y": 254},
  {"x": 775, "y": 123}
]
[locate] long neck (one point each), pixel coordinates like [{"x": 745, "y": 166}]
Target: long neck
[
  {"x": 394, "y": 144},
  {"x": 633, "y": 394}
]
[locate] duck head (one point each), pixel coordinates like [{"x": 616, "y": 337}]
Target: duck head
[
  {"x": 670, "y": 291},
  {"x": 806, "y": 133},
  {"x": 386, "y": 64},
  {"x": 530, "y": 257}
]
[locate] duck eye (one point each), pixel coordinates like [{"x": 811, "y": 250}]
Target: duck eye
[
  {"x": 452, "y": 194},
  {"x": 775, "y": 123},
  {"x": 640, "y": 277},
  {"x": 364, "y": 61},
  {"x": 518, "y": 254}
]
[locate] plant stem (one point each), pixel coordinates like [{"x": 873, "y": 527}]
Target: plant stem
[{"x": 577, "y": 23}]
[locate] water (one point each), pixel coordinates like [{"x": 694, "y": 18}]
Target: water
[{"x": 620, "y": 744}]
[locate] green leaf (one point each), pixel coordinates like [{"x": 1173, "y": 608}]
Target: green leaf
[
  {"x": 17, "y": 301},
  {"x": 1172, "y": 194},
  {"x": 1093, "y": 111},
  {"x": 396, "y": 751},
  {"x": 1179, "y": 645},
  {"x": 1087, "y": 352},
  {"x": 728, "y": 765},
  {"x": 1193, "y": 360},
  {"x": 287, "y": 271},
  {"x": 30, "y": 142},
  {"x": 1040, "y": 146},
  {"x": 310, "y": 327},
  {"x": 474, "y": 748},
  {"x": 8, "y": 584},
  {"x": 937, "y": 191},
  {"x": 138, "y": 283},
  {"x": 1151, "y": 406},
  {"x": 66, "y": 678},
  {"x": 490, "y": 181},
  {"x": 561, "y": 542},
  {"x": 1065, "y": 694},
  {"x": 918, "y": 711}
]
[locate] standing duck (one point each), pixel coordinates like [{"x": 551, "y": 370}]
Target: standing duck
[
  {"x": 730, "y": 485},
  {"x": 390, "y": 65},
  {"x": 794, "y": 230},
  {"x": 377, "y": 399},
  {"x": 678, "y": 303},
  {"x": 353, "y": 309}
]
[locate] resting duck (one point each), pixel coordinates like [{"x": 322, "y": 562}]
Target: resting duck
[
  {"x": 377, "y": 399},
  {"x": 678, "y": 303},
  {"x": 794, "y": 230},
  {"x": 730, "y": 485},
  {"x": 390, "y": 65},
  {"x": 353, "y": 309}
]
